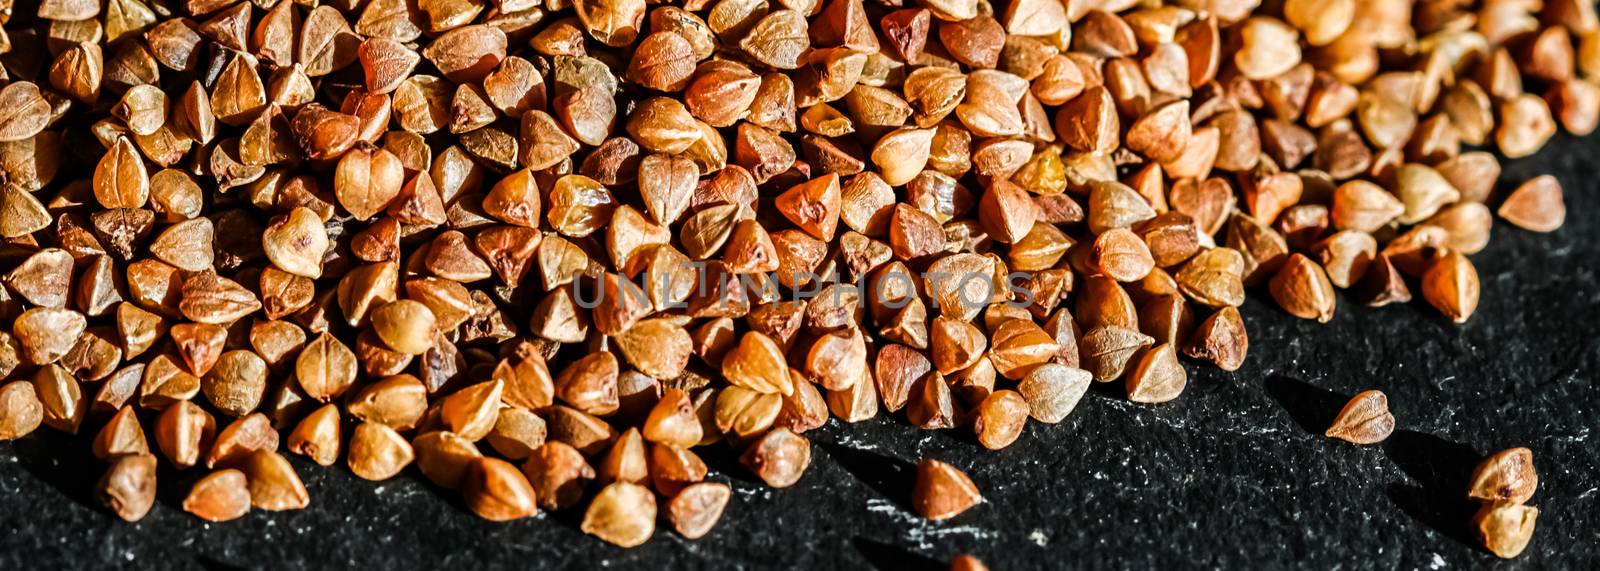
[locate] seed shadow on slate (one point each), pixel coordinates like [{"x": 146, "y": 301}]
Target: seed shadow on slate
[
  {"x": 61, "y": 461},
  {"x": 569, "y": 518},
  {"x": 1114, "y": 390},
  {"x": 173, "y": 485},
  {"x": 890, "y": 477},
  {"x": 1442, "y": 470},
  {"x": 723, "y": 459},
  {"x": 1312, "y": 407},
  {"x": 211, "y": 564},
  {"x": 894, "y": 558}
]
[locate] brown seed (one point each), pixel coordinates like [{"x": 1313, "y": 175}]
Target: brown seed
[
  {"x": 1346, "y": 255},
  {"x": 186, "y": 245},
  {"x": 199, "y": 345},
  {"x": 695, "y": 509},
  {"x": 1163, "y": 133},
  {"x": 663, "y": 61},
  {"x": 184, "y": 431},
  {"x": 942, "y": 491},
  {"x": 1266, "y": 247},
  {"x": 79, "y": 71},
  {"x": 318, "y": 436},
  {"x": 404, "y": 325},
  {"x": 779, "y": 457},
  {"x": 20, "y": 212},
  {"x": 590, "y": 384},
  {"x": 128, "y": 488},
  {"x": 275, "y": 341},
  {"x": 1505, "y": 476},
  {"x": 326, "y": 368},
  {"x": 930, "y": 406},
  {"x": 1536, "y": 205},
  {"x": 1505, "y": 528},
  {"x": 743, "y": 412},
  {"x": 1383, "y": 284},
  {"x": 327, "y": 43},
  {"x": 1115, "y": 205},
  {"x": 386, "y": 63},
  {"x": 221, "y": 496},
  {"x": 1018, "y": 345},
  {"x": 1467, "y": 225},
  {"x": 935, "y": 92},
  {"x": 1089, "y": 121},
  {"x": 1321, "y": 22},
  {"x": 1302, "y": 288},
  {"x": 1122, "y": 255},
  {"x": 721, "y": 92},
  {"x": 398, "y": 402},
  {"x": 1213, "y": 277},
  {"x": 626, "y": 461},
  {"x": 578, "y": 429},
  {"x": 961, "y": 285},
  {"x": 837, "y": 358},
  {"x": 804, "y": 410},
  {"x": 1157, "y": 376},
  {"x": 857, "y": 403},
  {"x": 120, "y": 436},
  {"x": 1525, "y": 126},
  {"x": 999, "y": 419},
  {"x": 966, "y": 562},
  {"x": 467, "y": 54},
  {"x": 622, "y": 514},
  {"x": 1450, "y": 285},
  {"x": 1104, "y": 35},
  {"x": 274, "y": 485},
  {"x": 1422, "y": 191},
  {"x": 1165, "y": 316},
  {"x": 954, "y": 344},
  {"x": 471, "y": 412},
  {"x": 377, "y": 452},
  {"x": 164, "y": 382},
  {"x": 61, "y": 397},
  {"x": 212, "y": 299},
  {"x": 1107, "y": 350},
  {"x": 20, "y": 410},
  {"x": 1576, "y": 104},
  {"x": 1269, "y": 48},
  {"x": 444, "y": 457},
  {"x": 1040, "y": 249},
  {"x": 517, "y": 433},
  {"x": 672, "y": 420},
  {"x": 44, "y": 278},
  {"x": 120, "y": 179},
  {"x": 559, "y": 473},
  {"x": 757, "y": 363},
  {"x": 366, "y": 180},
  {"x": 26, "y": 112},
  {"x": 46, "y": 334},
  {"x": 1364, "y": 207},
  {"x": 1052, "y": 392},
  {"x": 297, "y": 243},
  {"x": 1221, "y": 339},
  {"x": 1363, "y": 420},
  {"x": 976, "y": 42},
  {"x": 236, "y": 384}
]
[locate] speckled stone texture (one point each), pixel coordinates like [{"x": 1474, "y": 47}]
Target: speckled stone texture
[{"x": 1233, "y": 474}]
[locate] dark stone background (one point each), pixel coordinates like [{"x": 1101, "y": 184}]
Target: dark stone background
[{"x": 1235, "y": 473}]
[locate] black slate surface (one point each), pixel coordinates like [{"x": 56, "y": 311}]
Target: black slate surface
[{"x": 1233, "y": 474}]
